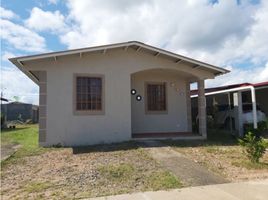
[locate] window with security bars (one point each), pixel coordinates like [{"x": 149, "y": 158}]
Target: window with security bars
[
  {"x": 88, "y": 93},
  {"x": 156, "y": 97}
]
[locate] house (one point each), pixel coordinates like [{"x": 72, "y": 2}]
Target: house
[
  {"x": 24, "y": 111},
  {"x": 115, "y": 93},
  {"x": 246, "y": 102}
]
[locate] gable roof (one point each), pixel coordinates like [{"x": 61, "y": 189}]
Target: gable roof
[{"x": 18, "y": 61}]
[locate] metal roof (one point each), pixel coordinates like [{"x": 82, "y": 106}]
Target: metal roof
[{"x": 233, "y": 86}]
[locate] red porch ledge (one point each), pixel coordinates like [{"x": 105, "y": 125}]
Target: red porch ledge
[{"x": 164, "y": 135}]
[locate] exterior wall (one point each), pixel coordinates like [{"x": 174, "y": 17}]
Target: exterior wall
[
  {"x": 175, "y": 119},
  {"x": 116, "y": 66},
  {"x": 69, "y": 129}
]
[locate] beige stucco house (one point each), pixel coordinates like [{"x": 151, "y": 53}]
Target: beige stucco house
[{"x": 115, "y": 93}]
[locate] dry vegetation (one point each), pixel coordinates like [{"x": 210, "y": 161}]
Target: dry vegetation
[
  {"x": 65, "y": 173},
  {"x": 224, "y": 156}
]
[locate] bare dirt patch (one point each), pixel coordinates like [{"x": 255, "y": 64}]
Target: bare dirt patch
[{"x": 61, "y": 174}]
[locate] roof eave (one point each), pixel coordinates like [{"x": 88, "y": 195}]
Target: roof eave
[
  {"x": 217, "y": 70},
  {"x": 21, "y": 67}
]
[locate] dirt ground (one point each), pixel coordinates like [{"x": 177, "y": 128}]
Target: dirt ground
[
  {"x": 71, "y": 174},
  {"x": 229, "y": 161}
]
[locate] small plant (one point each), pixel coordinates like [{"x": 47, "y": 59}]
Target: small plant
[
  {"x": 254, "y": 146},
  {"x": 117, "y": 171},
  {"x": 262, "y": 127}
]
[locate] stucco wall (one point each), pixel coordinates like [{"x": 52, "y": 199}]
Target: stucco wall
[
  {"x": 175, "y": 119},
  {"x": 115, "y": 125},
  {"x": 69, "y": 129}
]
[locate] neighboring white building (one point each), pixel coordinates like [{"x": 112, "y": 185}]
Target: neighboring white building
[
  {"x": 235, "y": 106},
  {"x": 115, "y": 93}
]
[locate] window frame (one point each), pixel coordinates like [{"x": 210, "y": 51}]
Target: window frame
[
  {"x": 147, "y": 111},
  {"x": 88, "y": 112}
]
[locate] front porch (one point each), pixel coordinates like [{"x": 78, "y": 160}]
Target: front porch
[
  {"x": 161, "y": 105},
  {"x": 167, "y": 135}
]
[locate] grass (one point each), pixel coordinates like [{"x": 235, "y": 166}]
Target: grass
[
  {"x": 80, "y": 172},
  {"x": 35, "y": 187},
  {"x": 24, "y": 135},
  {"x": 117, "y": 172},
  {"x": 163, "y": 180},
  {"x": 222, "y": 154},
  {"x": 156, "y": 180},
  {"x": 250, "y": 165}
]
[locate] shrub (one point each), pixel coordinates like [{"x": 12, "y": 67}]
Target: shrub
[
  {"x": 262, "y": 127},
  {"x": 254, "y": 146}
]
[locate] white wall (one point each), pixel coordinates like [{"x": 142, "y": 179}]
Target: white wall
[
  {"x": 175, "y": 119},
  {"x": 115, "y": 125}
]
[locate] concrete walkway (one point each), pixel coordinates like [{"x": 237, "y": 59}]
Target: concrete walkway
[
  {"x": 7, "y": 150},
  {"x": 257, "y": 190},
  {"x": 189, "y": 172}
]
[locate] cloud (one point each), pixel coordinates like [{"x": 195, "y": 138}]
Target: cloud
[
  {"x": 238, "y": 75},
  {"x": 7, "y": 14},
  {"x": 250, "y": 47},
  {"x": 11, "y": 85},
  {"x": 221, "y": 33},
  {"x": 176, "y": 25},
  {"x": 40, "y": 20},
  {"x": 53, "y": 1},
  {"x": 6, "y": 55},
  {"x": 21, "y": 38},
  {"x": 224, "y": 33}
]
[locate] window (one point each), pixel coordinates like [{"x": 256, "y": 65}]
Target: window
[
  {"x": 156, "y": 97},
  {"x": 89, "y": 93}
]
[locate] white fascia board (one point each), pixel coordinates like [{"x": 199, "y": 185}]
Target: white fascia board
[
  {"x": 70, "y": 52},
  {"x": 244, "y": 88},
  {"x": 29, "y": 74},
  {"x": 190, "y": 60}
]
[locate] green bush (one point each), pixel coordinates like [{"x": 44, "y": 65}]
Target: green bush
[
  {"x": 262, "y": 127},
  {"x": 254, "y": 146}
]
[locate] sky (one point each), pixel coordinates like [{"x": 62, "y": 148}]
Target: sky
[{"x": 232, "y": 34}]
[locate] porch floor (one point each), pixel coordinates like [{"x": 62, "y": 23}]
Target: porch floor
[{"x": 164, "y": 135}]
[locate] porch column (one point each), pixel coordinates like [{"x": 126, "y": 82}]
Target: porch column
[
  {"x": 238, "y": 112},
  {"x": 202, "y": 109},
  {"x": 189, "y": 106}
]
